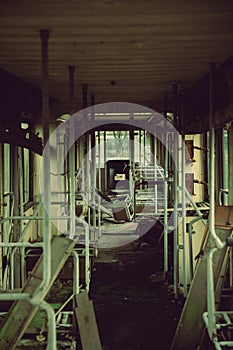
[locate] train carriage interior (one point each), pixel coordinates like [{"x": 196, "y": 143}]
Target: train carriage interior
[{"x": 116, "y": 179}]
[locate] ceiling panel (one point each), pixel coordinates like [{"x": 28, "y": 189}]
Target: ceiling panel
[{"x": 124, "y": 50}]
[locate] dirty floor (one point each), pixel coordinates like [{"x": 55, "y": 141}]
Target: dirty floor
[{"x": 135, "y": 310}]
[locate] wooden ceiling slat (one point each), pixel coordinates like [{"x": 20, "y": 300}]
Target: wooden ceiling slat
[{"x": 143, "y": 46}]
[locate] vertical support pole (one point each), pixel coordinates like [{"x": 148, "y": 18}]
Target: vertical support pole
[
  {"x": 230, "y": 164},
  {"x": 99, "y": 184},
  {"x": 92, "y": 104},
  {"x": 87, "y": 227},
  {"x": 217, "y": 241},
  {"x": 87, "y": 190},
  {"x": 230, "y": 188},
  {"x": 175, "y": 212},
  {"x": 210, "y": 296},
  {"x": 84, "y": 91},
  {"x": 16, "y": 273},
  {"x": 7, "y": 210},
  {"x": 131, "y": 140},
  {"x": 84, "y": 137},
  {"x": 225, "y": 163},
  {"x": 231, "y": 267},
  {"x": 154, "y": 152},
  {"x": 1, "y": 180},
  {"x": 205, "y": 166},
  {"x": 152, "y": 148},
  {"x": 219, "y": 244},
  {"x": 183, "y": 199},
  {"x": 132, "y": 162},
  {"x": 140, "y": 159},
  {"x": 170, "y": 142},
  {"x": 93, "y": 159},
  {"x": 72, "y": 163},
  {"x": 44, "y": 35},
  {"x": 212, "y": 147},
  {"x": 165, "y": 232},
  {"x": 5, "y": 157},
  {"x": 144, "y": 147},
  {"x": 71, "y": 70},
  {"x": 1, "y": 210},
  {"x": 89, "y": 183},
  {"x": 105, "y": 160},
  {"x": 76, "y": 288},
  {"x": 140, "y": 147}
]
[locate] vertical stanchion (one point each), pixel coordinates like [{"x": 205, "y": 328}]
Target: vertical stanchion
[
  {"x": 71, "y": 70},
  {"x": 132, "y": 162},
  {"x": 84, "y": 137},
  {"x": 217, "y": 241},
  {"x": 144, "y": 147},
  {"x": 93, "y": 159},
  {"x": 105, "y": 160},
  {"x": 230, "y": 187},
  {"x": 99, "y": 186},
  {"x": 230, "y": 164},
  {"x": 140, "y": 158},
  {"x": 165, "y": 234},
  {"x": 175, "y": 212},
  {"x": 87, "y": 190},
  {"x": 89, "y": 183},
  {"x": 15, "y": 164},
  {"x": 44, "y": 35},
  {"x": 154, "y": 152},
  {"x": 183, "y": 199},
  {"x": 210, "y": 278},
  {"x": 224, "y": 163},
  {"x": 71, "y": 154}
]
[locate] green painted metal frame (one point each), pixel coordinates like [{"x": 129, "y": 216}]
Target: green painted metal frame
[
  {"x": 23, "y": 311},
  {"x": 191, "y": 325}
]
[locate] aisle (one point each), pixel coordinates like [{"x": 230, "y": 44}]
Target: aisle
[{"x": 134, "y": 309}]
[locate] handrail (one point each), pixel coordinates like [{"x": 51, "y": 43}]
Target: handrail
[
  {"x": 194, "y": 206},
  {"x": 218, "y": 243},
  {"x": 221, "y": 192},
  {"x": 216, "y": 240},
  {"x": 76, "y": 287},
  {"x": 18, "y": 244},
  {"x": 190, "y": 226},
  {"x": 210, "y": 295},
  {"x": 52, "y": 336}
]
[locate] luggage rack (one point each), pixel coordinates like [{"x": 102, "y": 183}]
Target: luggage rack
[{"x": 149, "y": 197}]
